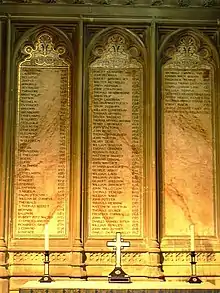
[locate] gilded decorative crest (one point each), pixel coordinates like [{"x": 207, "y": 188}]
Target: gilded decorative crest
[
  {"x": 148, "y": 3},
  {"x": 157, "y": 2},
  {"x": 116, "y": 52},
  {"x": 188, "y": 51},
  {"x": 184, "y": 3},
  {"x": 44, "y": 52},
  {"x": 209, "y": 3}
]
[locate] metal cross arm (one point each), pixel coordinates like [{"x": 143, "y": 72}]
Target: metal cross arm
[{"x": 118, "y": 245}]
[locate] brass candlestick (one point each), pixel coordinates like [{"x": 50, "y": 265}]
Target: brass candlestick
[
  {"x": 46, "y": 277},
  {"x": 193, "y": 279}
]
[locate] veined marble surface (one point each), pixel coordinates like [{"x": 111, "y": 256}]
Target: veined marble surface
[{"x": 188, "y": 143}]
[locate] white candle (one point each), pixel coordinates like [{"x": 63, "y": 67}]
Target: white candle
[
  {"x": 46, "y": 238},
  {"x": 192, "y": 237}
]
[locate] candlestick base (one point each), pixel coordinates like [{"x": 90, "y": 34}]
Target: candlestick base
[
  {"x": 46, "y": 277},
  {"x": 194, "y": 280}
]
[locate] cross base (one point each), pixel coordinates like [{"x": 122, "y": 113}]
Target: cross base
[
  {"x": 118, "y": 276},
  {"x": 194, "y": 280}
]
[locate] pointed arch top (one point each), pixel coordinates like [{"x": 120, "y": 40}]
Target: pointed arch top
[
  {"x": 34, "y": 36},
  {"x": 193, "y": 42},
  {"x": 122, "y": 42}
]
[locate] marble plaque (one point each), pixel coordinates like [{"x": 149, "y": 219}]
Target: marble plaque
[
  {"x": 115, "y": 146},
  {"x": 41, "y": 177},
  {"x": 188, "y": 173}
]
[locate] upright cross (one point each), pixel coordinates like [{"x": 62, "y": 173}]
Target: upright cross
[{"x": 118, "y": 244}]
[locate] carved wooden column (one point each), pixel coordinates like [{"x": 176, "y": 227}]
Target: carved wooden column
[
  {"x": 4, "y": 161},
  {"x": 76, "y": 208},
  {"x": 153, "y": 217},
  {"x": 2, "y": 222}
]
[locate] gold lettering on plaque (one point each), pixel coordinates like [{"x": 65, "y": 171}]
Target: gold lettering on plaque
[
  {"x": 187, "y": 88},
  {"x": 41, "y": 178},
  {"x": 115, "y": 165}
]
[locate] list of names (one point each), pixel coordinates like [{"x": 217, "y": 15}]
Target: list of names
[
  {"x": 42, "y": 152},
  {"x": 115, "y": 152}
]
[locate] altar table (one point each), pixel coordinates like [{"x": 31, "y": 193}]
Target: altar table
[{"x": 105, "y": 287}]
